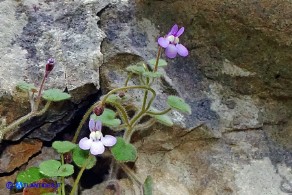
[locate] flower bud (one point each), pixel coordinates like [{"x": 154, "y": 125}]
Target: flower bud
[
  {"x": 98, "y": 110},
  {"x": 68, "y": 157},
  {"x": 121, "y": 94},
  {"x": 50, "y": 65}
]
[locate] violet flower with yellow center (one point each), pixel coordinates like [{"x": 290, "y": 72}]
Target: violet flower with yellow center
[
  {"x": 96, "y": 142},
  {"x": 171, "y": 43}
]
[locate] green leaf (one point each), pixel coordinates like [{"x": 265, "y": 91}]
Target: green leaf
[
  {"x": 63, "y": 146},
  {"x": 124, "y": 152},
  {"x": 65, "y": 170},
  {"x": 163, "y": 119},
  {"x": 54, "y": 168},
  {"x": 50, "y": 167},
  {"x": 26, "y": 86},
  {"x": 30, "y": 175},
  {"x": 80, "y": 156},
  {"x": 178, "y": 104},
  {"x": 108, "y": 118},
  {"x": 147, "y": 186},
  {"x": 152, "y": 74},
  {"x": 136, "y": 69},
  {"x": 55, "y": 95},
  {"x": 161, "y": 62}
]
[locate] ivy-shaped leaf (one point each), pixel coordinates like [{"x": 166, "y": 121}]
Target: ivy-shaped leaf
[
  {"x": 63, "y": 146},
  {"x": 136, "y": 69},
  {"x": 80, "y": 156},
  {"x": 30, "y": 175},
  {"x": 54, "y": 168},
  {"x": 108, "y": 118},
  {"x": 178, "y": 104},
  {"x": 163, "y": 119},
  {"x": 152, "y": 74},
  {"x": 26, "y": 86},
  {"x": 161, "y": 62},
  {"x": 124, "y": 152},
  {"x": 55, "y": 95},
  {"x": 65, "y": 170},
  {"x": 147, "y": 186}
]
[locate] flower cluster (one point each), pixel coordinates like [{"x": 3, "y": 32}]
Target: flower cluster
[
  {"x": 171, "y": 43},
  {"x": 96, "y": 142}
]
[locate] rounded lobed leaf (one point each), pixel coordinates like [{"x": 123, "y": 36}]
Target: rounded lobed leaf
[
  {"x": 108, "y": 118},
  {"x": 50, "y": 168},
  {"x": 163, "y": 119},
  {"x": 55, "y": 95},
  {"x": 30, "y": 175},
  {"x": 136, "y": 69},
  {"x": 124, "y": 152},
  {"x": 152, "y": 74},
  {"x": 80, "y": 156},
  {"x": 26, "y": 86},
  {"x": 161, "y": 62},
  {"x": 65, "y": 170},
  {"x": 63, "y": 146},
  {"x": 178, "y": 104}
]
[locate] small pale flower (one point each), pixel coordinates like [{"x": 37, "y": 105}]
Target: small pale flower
[
  {"x": 171, "y": 43},
  {"x": 96, "y": 142}
]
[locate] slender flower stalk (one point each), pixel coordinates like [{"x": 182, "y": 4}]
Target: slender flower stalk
[{"x": 49, "y": 67}]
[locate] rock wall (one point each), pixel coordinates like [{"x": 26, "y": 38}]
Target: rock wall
[{"x": 236, "y": 79}]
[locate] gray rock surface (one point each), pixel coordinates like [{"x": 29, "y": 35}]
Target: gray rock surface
[
  {"x": 238, "y": 138},
  {"x": 236, "y": 79},
  {"x": 34, "y": 31}
]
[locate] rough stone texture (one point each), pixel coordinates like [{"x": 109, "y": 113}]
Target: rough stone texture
[
  {"x": 236, "y": 79},
  {"x": 33, "y": 31}
]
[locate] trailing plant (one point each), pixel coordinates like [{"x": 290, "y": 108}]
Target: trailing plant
[{"x": 112, "y": 111}]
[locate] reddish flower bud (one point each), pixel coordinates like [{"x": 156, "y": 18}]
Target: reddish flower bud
[
  {"x": 98, "y": 110},
  {"x": 122, "y": 94},
  {"x": 68, "y": 157},
  {"x": 50, "y": 65}
]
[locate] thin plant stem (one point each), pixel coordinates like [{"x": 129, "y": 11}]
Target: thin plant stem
[
  {"x": 38, "y": 99},
  {"x": 59, "y": 189},
  {"x": 125, "y": 88},
  {"x": 75, "y": 185},
  {"x": 23, "y": 119},
  {"x": 159, "y": 113},
  {"x": 127, "y": 80},
  {"x": 145, "y": 125},
  {"x": 63, "y": 178},
  {"x": 145, "y": 95},
  {"x": 128, "y": 134},
  {"x": 88, "y": 112},
  {"x": 157, "y": 59},
  {"x": 123, "y": 113},
  {"x": 84, "y": 118}
]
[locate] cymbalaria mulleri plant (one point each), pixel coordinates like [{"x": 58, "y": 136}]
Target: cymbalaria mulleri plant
[
  {"x": 112, "y": 111},
  {"x": 96, "y": 141}
]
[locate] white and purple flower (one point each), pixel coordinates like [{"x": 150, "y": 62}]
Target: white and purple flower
[
  {"x": 171, "y": 43},
  {"x": 96, "y": 142}
]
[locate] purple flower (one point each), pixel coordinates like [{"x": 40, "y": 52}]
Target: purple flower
[
  {"x": 96, "y": 142},
  {"x": 171, "y": 43}
]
